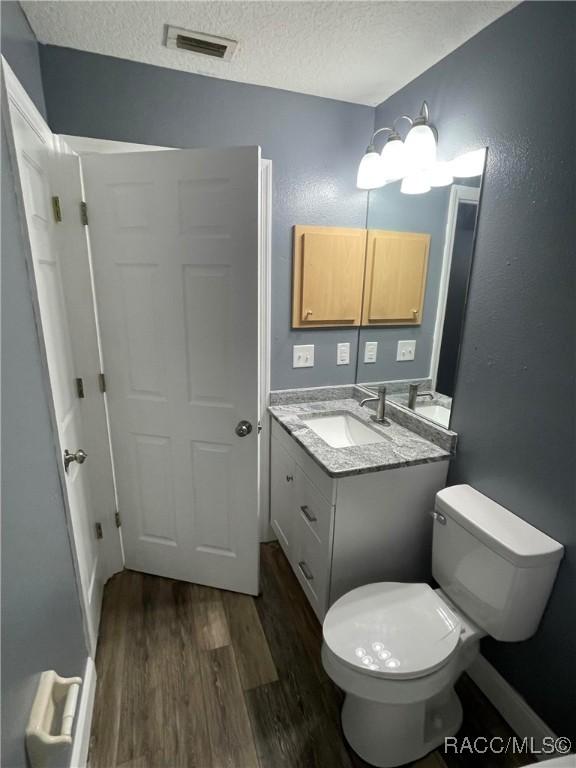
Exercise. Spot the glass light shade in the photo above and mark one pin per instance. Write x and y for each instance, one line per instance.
(416, 184)
(420, 147)
(440, 175)
(469, 164)
(370, 171)
(394, 159)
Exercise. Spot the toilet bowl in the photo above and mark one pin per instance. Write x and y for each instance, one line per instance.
(397, 649)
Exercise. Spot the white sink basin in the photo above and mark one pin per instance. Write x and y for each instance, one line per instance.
(436, 413)
(343, 430)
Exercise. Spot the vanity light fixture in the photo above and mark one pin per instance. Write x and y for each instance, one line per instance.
(415, 184)
(370, 169)
(401, 159)
(421, 143)
(469, 164)
(440, 175)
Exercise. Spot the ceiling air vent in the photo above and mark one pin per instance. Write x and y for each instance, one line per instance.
(198, 42)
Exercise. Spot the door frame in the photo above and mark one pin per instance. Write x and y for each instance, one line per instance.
(16, 98)
(459, 193)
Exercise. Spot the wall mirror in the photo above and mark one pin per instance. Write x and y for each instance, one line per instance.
(419, 252)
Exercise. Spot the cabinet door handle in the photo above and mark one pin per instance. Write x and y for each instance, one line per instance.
(307, 514)
(308, 575)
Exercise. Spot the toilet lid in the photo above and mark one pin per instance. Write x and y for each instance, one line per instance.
(392, 630)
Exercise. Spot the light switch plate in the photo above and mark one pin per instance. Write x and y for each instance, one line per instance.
(343, 353)
(303, 356)
(406, 350)
(370, 351)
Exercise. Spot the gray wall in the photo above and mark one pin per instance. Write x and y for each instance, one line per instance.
(388, 208)
(41, 620)
(512, 88)
(314, 144)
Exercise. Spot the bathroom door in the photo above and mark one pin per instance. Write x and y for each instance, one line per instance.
(39, 178)
(175, 248)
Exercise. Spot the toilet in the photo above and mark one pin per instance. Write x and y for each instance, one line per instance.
(397, 649)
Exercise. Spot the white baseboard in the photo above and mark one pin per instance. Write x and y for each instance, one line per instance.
(514, 709)
(81, 743)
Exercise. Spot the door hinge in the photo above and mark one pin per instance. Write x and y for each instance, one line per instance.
(117, 519)
(102, 382)
(84, 213)
(99, 531)
(80, 387)
(56, 210)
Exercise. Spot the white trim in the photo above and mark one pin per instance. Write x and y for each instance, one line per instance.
(84, 145)
(458, 194)
(16, 98)
(79, 757)
(266, 533)
(514, 709)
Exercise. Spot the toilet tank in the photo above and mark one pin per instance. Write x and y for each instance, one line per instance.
(495, 567)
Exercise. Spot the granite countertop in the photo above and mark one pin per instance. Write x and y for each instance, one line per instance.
(402, 447)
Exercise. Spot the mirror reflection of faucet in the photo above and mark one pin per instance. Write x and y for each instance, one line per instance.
(413, 395)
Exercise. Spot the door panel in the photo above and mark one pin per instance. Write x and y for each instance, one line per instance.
(175, 245)
(35, 158)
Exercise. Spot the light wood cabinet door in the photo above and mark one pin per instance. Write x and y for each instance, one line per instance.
(328, 276)
(396, 267)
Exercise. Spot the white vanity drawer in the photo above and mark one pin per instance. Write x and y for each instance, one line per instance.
(312, 566)
(313, 507)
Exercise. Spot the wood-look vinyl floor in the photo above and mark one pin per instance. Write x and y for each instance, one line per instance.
(194, 677)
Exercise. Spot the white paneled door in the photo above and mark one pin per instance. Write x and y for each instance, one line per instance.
(175, 249)
(34, 169)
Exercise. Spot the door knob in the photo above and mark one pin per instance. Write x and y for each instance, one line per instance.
(243, 428)
(80, 456)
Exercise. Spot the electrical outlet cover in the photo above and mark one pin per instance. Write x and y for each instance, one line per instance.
(370, 351)
(343, 353)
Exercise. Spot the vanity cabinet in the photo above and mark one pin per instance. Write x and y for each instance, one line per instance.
(341, 533)
(396, 267)
(328, 276)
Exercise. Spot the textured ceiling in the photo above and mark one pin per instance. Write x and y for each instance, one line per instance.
(353, 51)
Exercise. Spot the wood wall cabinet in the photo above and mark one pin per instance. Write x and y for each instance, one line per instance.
(395, 285)
(328, 276)
(339, 534)
(351, 277)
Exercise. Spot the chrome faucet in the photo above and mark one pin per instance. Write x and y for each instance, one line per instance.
(380, 415)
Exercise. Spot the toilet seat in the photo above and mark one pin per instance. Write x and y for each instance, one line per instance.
(392, 630)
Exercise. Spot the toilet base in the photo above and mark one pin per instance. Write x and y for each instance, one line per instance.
(388, 735)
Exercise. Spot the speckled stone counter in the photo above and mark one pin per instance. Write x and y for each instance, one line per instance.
(401, 448)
